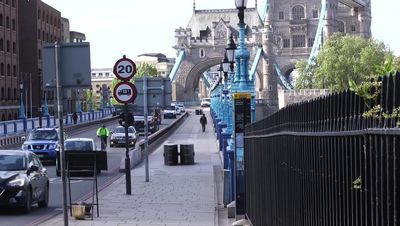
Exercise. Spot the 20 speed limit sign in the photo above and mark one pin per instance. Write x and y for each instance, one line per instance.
(124, 69)
(125, 92)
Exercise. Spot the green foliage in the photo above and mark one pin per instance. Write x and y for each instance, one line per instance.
(146, 69)
(357, 183)
(344, 57)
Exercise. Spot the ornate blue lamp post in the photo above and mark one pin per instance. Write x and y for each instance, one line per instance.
(91, 100)
(21, 114)
(78, 102)
(45, 106)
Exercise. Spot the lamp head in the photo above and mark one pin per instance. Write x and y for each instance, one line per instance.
(21, 85)
(240, 4)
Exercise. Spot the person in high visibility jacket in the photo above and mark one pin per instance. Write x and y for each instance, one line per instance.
(103, 132)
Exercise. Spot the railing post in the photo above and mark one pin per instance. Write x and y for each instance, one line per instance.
(5, 128)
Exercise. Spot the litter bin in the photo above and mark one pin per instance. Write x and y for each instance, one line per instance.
(170, 154)
(187, 154)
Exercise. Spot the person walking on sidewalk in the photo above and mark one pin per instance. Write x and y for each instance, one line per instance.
(203, 122)
(103, 134)
(75, 117)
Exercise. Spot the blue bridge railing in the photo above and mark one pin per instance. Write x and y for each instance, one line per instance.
(13, 127)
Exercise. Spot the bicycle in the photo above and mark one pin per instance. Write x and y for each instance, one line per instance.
(103, 141)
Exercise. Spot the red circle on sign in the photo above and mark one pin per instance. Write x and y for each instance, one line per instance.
(124, 69)
(125, 92)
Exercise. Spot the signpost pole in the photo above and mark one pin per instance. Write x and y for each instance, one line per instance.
(146, 128)
(127, 160)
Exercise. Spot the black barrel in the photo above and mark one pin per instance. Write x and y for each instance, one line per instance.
(170, 154)
(187, 154)
(197, 112)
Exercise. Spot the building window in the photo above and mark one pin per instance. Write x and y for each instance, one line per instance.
(1, 19)
(8, 46)
(38, 15)
(107, 74)
(13, 24)
(2, 93)
(7, 22)
(14, 71)
(1, 44)
(14, 48)
(2, 69)
(298, 12)
(39, 54)
(13, 3)
(7, 2)
(315, 14)
(311, 42)
(340, 25)
(100, 74)
(202, 53)
(93, 74)
(353, 28)
(286, 43)
(8, 70)
(15, 94)
(38, 35)
(299, 41)
(281, 15)
(8, 93)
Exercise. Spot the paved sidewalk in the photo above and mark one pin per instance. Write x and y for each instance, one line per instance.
(181, 195)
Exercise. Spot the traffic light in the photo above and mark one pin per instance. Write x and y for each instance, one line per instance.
(130, 121)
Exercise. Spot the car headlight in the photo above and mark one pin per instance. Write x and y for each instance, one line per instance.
(16, 182)
(25, 147)
(53, 146)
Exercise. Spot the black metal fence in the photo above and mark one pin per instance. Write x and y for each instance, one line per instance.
(322, 163)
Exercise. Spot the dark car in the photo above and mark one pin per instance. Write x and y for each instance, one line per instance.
(23, 180)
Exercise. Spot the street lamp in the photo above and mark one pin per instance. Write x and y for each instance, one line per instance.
(230, 51)
(45, 106)
(21, 114)
(91, 100)
(78, 102)
(241, 5)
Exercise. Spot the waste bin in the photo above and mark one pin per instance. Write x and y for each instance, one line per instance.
(187, 154)
(170, 154)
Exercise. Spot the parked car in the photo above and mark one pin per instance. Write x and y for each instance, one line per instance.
(205, 102)
(170, 111)
(23, 180)
(77, 144)
(177, 108)
(44, 142)
(118, 136)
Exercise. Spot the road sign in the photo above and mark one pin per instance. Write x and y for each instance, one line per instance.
(125, 92)
(124, 69)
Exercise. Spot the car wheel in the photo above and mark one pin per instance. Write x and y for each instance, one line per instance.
(45, 201)
(28, 202)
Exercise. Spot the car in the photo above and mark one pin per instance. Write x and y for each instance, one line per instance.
(170, 111)
(44, 142)
(205, 102)
(23, 180)
(76, 144)
(118, 136)
(181, 107)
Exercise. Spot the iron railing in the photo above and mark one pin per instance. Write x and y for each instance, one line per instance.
(321, 162)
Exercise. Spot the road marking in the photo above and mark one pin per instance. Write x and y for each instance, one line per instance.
(58, 180)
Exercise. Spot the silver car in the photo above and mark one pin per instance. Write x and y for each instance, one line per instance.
(118, 136)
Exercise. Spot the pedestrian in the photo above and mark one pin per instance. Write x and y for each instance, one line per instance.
(75, 117)
(103, 132)
(203, 122)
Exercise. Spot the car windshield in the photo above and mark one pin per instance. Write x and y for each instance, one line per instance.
(206, 99)
(80, 145)
(12, 162)
(170, 108)
(122, 130)
(43, 135)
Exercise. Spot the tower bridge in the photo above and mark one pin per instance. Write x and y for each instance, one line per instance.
(278, 35)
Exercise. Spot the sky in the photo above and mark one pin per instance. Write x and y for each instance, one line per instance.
(133, 27)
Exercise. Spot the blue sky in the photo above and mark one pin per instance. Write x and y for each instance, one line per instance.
(133, 27)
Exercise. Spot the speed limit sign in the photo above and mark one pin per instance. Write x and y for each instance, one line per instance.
(124, 69)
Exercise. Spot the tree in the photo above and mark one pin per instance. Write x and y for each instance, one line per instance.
(146, 69)
(341, 59)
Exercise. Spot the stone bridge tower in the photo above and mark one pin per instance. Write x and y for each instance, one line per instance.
(286, 36)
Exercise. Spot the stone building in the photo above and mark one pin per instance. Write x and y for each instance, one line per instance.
(39, 23)
(9, 60)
